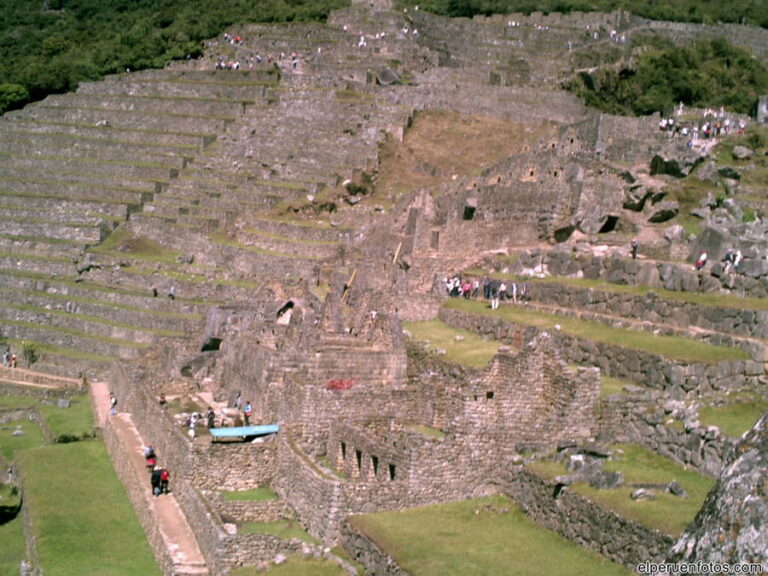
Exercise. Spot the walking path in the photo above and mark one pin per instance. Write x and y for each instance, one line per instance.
(164, 510)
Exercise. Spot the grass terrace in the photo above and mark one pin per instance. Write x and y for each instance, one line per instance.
(256, 495)
(67, 489)
(736, 416)
(477, 537)
(286, 529)
(710, 300)
(672, 347)
(461, 346)
(667, 513)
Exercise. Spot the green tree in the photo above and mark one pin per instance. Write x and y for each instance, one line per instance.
(30, 352)
(12, 96)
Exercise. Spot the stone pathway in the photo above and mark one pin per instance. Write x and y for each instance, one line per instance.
(178, 536)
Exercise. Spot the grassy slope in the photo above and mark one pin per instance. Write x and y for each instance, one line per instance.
(673, 347)
(78, 509)
(477, 537)
(471, 350)
(669, 514)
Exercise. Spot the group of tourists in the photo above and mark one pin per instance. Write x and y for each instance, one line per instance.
(159, 477)
(9, 360)
(493, 290)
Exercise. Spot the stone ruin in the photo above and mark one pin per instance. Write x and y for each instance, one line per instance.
(291, 282)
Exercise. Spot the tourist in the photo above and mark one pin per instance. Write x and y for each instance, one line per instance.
(702, 261)
(634, 245)
(162, 401)
(112, 404)
(154, 480)
(247, 411)
(210, 418)
(165, 478)
(172, 293)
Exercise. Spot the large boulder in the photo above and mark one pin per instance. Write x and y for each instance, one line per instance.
(742, 153)
(663, 211)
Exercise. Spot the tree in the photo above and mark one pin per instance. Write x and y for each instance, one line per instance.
(12, 96)
(30, 353)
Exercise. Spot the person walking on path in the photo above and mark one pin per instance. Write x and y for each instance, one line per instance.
(112, 404)
(247, 411)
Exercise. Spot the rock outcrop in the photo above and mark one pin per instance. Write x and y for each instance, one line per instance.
(730, 527)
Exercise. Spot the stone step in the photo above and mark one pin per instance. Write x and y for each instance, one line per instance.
(71, 210)
(81, 233)
(115, 335)
(65, 145)
(115, 178)
(68, 165)
(35, 378)
(138, 301)
(78, 191)
(205, 84)
(207, 107)
(65, 338)
(126, 119)
(147, 139)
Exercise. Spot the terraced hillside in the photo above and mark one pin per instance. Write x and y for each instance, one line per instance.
(268, 226)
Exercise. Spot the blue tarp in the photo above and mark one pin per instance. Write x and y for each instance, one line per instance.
(244, 431)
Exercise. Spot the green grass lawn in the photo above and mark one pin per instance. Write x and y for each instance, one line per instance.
(487, 536)
(668, 513)
(735, 418)
(11, 445)
(282, 529)
(73, 422)
(12, 550)
(17, 401)
(610, 386)
(672, 347)
(78, 509)
(470, 350)
(255, 495)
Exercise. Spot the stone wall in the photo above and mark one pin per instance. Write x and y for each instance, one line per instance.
(659, 311)
(365, 552)
(640, 419)
(583, 522)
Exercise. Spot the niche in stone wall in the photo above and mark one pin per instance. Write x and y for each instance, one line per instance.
(392, 472)
(489, 395)
(344, 450)
(359, 458)
(375, 464)
(434, 241)
(609, 225)
(470, 206)
(211, 344)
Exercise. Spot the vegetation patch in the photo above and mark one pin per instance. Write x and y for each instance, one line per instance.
(735, 417)
(121, 242)
(256, 495)
(12, 546)
(427, 431)
(441, 145)
(69, 424)
(668, 513)
(286, 529)
(672, 347)
(459, 346)
(482, 536)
